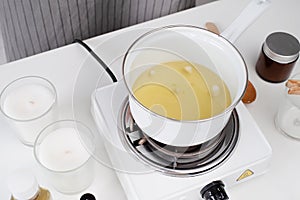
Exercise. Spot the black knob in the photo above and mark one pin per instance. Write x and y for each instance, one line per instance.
(87, 196)
(214, 191)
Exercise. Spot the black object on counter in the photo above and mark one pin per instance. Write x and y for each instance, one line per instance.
(214, 191)
(278, 56)
(87, 196)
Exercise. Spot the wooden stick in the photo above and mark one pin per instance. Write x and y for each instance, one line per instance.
(292, 83)
(294, 90)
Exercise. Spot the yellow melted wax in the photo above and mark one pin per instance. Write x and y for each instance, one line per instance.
(182, 91)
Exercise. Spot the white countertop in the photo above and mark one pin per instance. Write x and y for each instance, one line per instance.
(62, 65)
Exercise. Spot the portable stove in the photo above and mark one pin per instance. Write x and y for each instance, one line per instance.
(148, 169)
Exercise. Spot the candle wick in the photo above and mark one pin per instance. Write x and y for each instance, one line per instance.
(68, 152)
(32, 102)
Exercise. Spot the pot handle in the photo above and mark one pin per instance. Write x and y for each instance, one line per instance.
(253, 10)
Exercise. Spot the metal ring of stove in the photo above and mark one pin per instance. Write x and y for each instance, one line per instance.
(216, 160)
(211, 144)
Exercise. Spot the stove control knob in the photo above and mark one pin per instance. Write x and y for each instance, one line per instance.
(214, 191)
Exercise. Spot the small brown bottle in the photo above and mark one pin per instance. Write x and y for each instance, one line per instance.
(23, 186)
(278, 56)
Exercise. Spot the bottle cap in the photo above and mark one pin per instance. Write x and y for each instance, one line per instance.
(281, 47)
(22, 184)
(87, 196)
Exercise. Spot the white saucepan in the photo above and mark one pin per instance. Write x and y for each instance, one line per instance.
(195, 45)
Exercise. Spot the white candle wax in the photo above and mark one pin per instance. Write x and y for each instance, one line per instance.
(62, 150)
(30, 108)
(69, 165)
(28, 102)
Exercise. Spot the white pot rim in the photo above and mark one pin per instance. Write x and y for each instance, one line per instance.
(228, 109)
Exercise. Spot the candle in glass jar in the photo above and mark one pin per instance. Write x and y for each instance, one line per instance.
(28, 103)
(61, 149)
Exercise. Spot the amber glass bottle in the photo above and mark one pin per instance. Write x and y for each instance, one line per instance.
(278, 56)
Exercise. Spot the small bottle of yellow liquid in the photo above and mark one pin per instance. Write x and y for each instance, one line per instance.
(23, 186)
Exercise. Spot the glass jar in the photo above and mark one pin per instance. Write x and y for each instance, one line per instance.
(278, 56)
(287, 119)
(64, 152)
(29, 104)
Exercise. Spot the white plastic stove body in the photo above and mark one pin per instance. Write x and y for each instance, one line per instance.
(251, 155)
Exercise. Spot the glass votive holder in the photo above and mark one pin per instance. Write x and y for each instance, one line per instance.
(28, 103)
(64, 150)
(287, 119)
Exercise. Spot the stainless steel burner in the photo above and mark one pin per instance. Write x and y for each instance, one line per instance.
(178, 161)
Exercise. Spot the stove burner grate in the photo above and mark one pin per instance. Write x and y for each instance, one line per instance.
(178, 161)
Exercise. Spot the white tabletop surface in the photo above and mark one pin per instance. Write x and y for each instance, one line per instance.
(61, 66)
